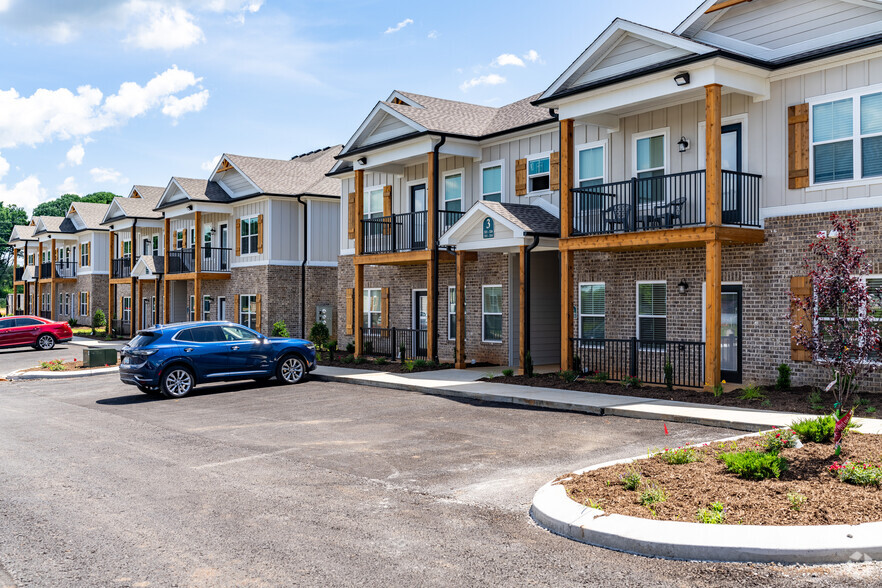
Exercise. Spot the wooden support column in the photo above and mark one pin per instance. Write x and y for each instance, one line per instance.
(713, 156)
(137, 306)
(431, 203)
(566, 309)
(38, 269)
(460, 360)
(111, 298)
(358, 308)
(522, 308)
(713, 248)
(432, 306)
(359, 212)
(53, 256)
(197, 252)
(713, 312)
(166, 248)
(432, 243)
(566, 178)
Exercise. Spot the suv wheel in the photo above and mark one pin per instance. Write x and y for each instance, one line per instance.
(45, 342)
(291, 370)
(177, 382)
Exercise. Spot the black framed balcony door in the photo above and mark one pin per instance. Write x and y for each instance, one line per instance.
(420, 320)
(418, 229)
(731, 333)
(731, 148)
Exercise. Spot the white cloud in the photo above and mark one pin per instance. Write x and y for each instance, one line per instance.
(176, 107)
(68, 186)
(61, 114)
(162, 27)
(28, 193)
(4, 167)
(399, 26)
(488, 80)
(75, 154)
(531, 56)
(4, 5)
(103, 175)
(433, 34)
(211, 163)
(507, 59)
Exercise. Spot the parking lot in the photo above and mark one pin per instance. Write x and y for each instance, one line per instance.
(315, 484)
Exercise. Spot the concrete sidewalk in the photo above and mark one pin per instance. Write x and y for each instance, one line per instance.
(465, 384)
(93, 343)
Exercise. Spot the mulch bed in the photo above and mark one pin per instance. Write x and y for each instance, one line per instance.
(394, 367)
(70, 366)
(793, 400)
(695, 485)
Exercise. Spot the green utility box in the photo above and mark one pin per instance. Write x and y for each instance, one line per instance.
(99, 357)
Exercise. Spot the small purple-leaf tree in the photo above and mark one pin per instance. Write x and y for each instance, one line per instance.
(841, 334)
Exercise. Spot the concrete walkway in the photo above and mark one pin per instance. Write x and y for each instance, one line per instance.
(465, 384)
(93, 343)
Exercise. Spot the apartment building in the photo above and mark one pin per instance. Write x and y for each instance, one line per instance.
(687, 172)
(24, 257)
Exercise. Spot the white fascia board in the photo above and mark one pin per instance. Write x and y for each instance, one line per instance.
(822, 64)
(114, 206)
(697, 14)
(368, 124)
(473, 217)
(197, 206)
(397, 153)
(403, 98)
(511, 245)
(170, 188)
(121, 225)
(213, 177)
(461, 148)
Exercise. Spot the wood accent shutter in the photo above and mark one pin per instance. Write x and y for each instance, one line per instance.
(387, 209)
(352, 217)
(350, 303)
(554, 167)
(801, 287)
(521, 177)
(89, 303)
(184, 240)
(798, 146)
(238, 237)
(384, 307)
(235, 308)
(259, 234)
(258, 313)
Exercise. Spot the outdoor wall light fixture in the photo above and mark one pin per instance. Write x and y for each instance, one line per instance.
(682, 79)
(189, 207)
(683, 144)
(361, 160)
(682, 287)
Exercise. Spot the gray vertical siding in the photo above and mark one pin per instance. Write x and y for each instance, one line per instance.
(324, 231)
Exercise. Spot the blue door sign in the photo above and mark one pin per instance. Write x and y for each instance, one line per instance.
(489, 229)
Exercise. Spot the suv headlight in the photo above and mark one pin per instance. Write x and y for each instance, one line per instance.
(310, 346)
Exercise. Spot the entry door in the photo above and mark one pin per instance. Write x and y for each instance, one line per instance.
(732, 184)
(224, 244)
(418, 219)
(730, 334)
(420, 321)
(146, 313)
(221, 308)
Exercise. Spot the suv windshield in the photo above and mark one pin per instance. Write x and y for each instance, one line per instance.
(143, 339)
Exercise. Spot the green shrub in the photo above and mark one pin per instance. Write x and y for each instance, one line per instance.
(332, 349)
(72, 322)
(350, 347)
(815, 400)
(319, 334)
(360, 360)
(796, 500)
(714, 515)
(783, 381)
(680, 455)
(669, 375)
(754, 465)
(280, 329)
(777, 439)
(381, 361)
(817, 430)
(859, 474)
(99, 319)
(528, 364)
(600, 377)
(508, 372)
(577, 363)
(568, 375)
(53, 365)
(752, 392)
(631, 478)
(631, 382)
(348, 359)
(652, 494)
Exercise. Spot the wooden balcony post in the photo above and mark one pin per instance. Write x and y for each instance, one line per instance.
(431, 307)
(566, 178)
(566, 309)
(431, 204)
(53, 256)
(713, 156)
(714, 217)
(460, 362)
(359, 213)
(358, 305)
(38, 273)
(166, 247)
(14, 263)
(713, 311)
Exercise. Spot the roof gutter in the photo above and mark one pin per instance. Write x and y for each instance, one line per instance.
(303, 267)
(436, 150)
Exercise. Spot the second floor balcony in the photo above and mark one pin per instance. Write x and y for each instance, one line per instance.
(46, 270)
(213, 260)
(65, 269)
(403, 232)
(19, 272)
(668, 201)
(122, 267)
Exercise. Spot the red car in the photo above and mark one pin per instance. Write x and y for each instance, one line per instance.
(33, 331)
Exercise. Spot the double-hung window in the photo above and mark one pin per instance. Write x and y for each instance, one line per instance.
(191, 310)
(538, 173)
(652, 311)
(373, 209)
(126, 249)
(372, 308)
(592, 310)
(873, 310)
(846, 137)
(146, 247)
(179, 239)
(155, 243)
(451, 312)
(650, 161)
(248, 310)
(60, 303)
(84, 304)
(248, 235)
(590, 166)
(453, 191)
(67, 305)
(126, 308)
(491, 182)
(491, 314)
(206, 308)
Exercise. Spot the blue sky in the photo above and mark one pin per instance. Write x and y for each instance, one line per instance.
(102, 94)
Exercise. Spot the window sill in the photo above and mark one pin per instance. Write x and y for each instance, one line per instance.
(541, 194)
(844, 184)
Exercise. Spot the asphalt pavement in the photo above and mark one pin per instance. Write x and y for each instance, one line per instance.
(317, 484)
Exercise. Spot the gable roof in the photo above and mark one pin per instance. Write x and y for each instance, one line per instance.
(48, 224)
(194, 190)
(90, 213)
(303, 174)
(135, 207)
(21, 233)
(532, 219)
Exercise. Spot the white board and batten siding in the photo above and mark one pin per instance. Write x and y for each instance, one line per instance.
(509, 152)
(283, 235)
(324, 231)
(250, 209)
(100, 242)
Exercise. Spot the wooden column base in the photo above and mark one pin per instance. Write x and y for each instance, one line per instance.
(713, 312)
(566, 310)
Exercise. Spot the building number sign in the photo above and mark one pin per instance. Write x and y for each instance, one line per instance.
(489, 229)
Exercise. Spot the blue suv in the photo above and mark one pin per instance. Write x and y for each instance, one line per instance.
(172, 359)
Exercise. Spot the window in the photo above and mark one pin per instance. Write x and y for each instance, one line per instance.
(650, 162)
(155, 244)
(372, 308)
(248, 310)
(592, 311)
(127, 248)
(491, 313)
(153, 310)
(179, 239)
(192, 241)
(538, 174)
(238, 333)
(67, 305)
(84, 304)
(451, 313)
(589, 170)
(191, 309)
(651, 311)
(874, 309)
(147, 247)
(846, 137)
(491, 182)
(453, 191)
(126, 308)
(373, 208)
(31, 259)
(206, 308)
(60, 303)
(248, 228)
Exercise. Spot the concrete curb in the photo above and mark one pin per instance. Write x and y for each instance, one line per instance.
(819, 544)
(23, 375)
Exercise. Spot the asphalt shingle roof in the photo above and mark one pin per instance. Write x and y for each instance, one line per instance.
(202, 190)
(25, 233)
(91, 213)
(304, 174)
(50, 224)
(529, 217)
(142, 207)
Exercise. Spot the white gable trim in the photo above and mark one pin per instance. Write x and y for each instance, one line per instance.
(140, 270)
(696, 15)
(227, 189)
(373, 119)
(407, 100)
(474, 217)
(171, 189)
(114, 207)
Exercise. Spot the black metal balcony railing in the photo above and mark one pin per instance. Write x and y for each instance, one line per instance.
(19, 272)
(65, 269)
(46, 270)
(214, 259)
(121, 328)
(446, 219)
(645, 360)
(388, 342)
(403, 232)
(122, 267)
(46, 314)
(663, 202)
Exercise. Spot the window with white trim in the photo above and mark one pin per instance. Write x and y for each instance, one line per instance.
(192, 240)
(84, 304)
(652, 311)
(206, 308)
(453, 191)
(126, 308)
(248, 228)
(491, 314)
(373, 309)
(248, 310)
(126, 248)
(67, 305)
(491, 181)
(451, 312)
(179, 239)
(191, 309)
(538, 173)
(874, 309)
(155, 243)
(146, 247)
(592, 310)
(846, 137)
(590, 172)
(60, 303)
(650, 161)
(153, 310)
(373, 208)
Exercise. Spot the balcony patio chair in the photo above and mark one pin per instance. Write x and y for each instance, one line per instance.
(666, 214)
(618, 214)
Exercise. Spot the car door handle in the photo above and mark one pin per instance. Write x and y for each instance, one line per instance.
(235, 348)
(188, 349)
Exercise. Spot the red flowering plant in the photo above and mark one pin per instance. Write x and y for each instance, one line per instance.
(841, 334)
